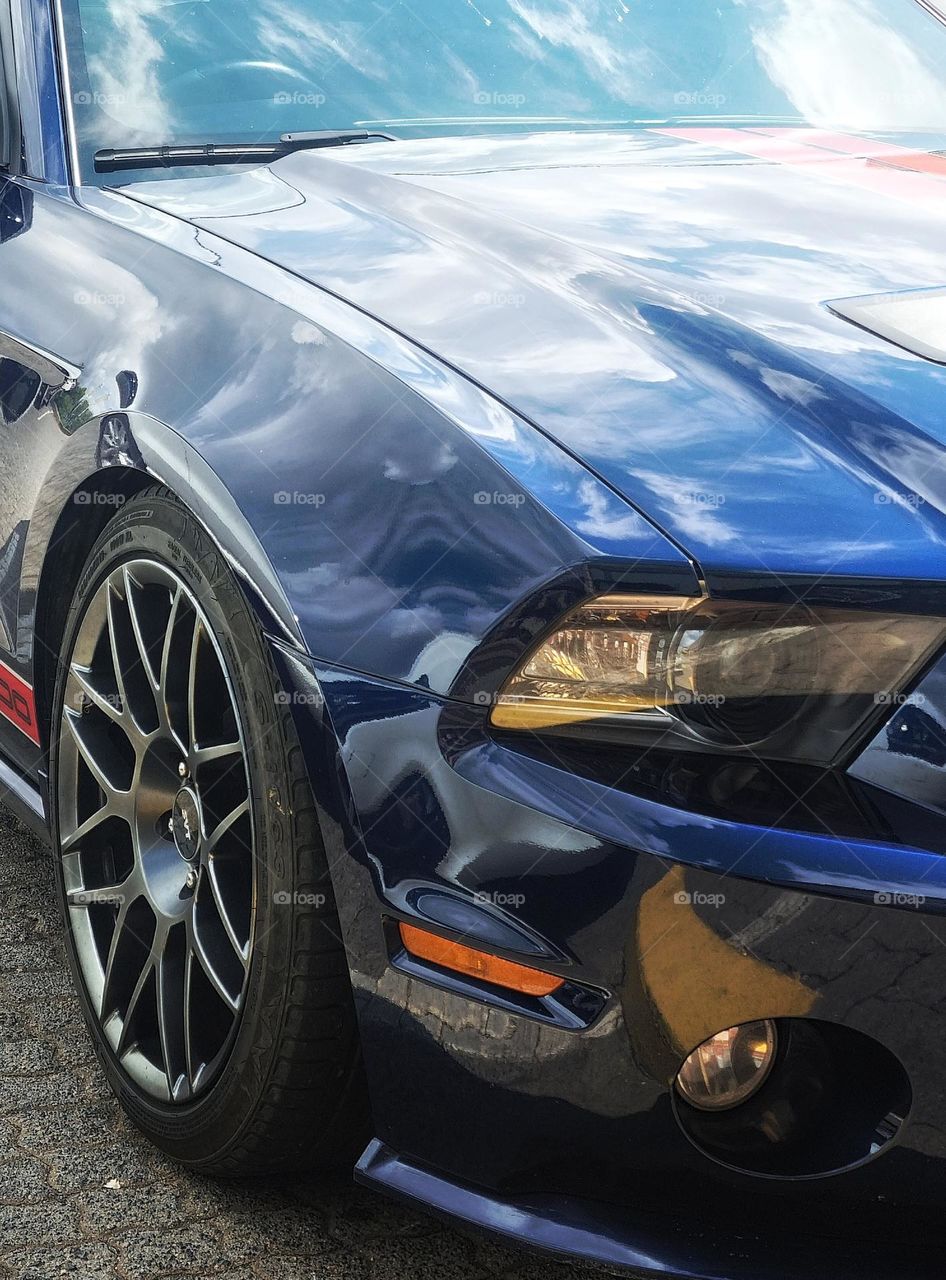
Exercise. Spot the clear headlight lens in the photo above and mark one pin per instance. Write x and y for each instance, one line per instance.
(792, 681)
(729, 1067)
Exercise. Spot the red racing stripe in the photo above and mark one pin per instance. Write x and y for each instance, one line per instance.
(868, 149)
(844, 169)
(750, 142)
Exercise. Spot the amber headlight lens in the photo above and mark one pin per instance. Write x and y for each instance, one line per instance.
(791, 682)
(729, 1067)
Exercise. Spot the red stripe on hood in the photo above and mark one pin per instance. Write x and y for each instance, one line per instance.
(850, 144)
(845, 169)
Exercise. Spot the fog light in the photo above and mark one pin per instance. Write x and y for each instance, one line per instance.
(729, 1067)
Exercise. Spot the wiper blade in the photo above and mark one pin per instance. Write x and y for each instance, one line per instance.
(110, 160)
(935, 10)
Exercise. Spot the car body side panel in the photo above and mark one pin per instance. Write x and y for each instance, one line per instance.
(398, 524)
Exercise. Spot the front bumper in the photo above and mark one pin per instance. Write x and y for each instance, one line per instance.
(645, 1244)
(564, 1135)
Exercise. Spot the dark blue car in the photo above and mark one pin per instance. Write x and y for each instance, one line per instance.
(473, 600)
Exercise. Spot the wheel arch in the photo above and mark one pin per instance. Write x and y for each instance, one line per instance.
(71, 514)
(71, 541)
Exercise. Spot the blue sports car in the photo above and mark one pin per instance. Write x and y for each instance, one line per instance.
(473, 600)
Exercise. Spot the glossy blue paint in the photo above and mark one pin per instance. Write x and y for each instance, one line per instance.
(426, 398)
(842, 867)
(689, 284)
(370, 455)
(592, 1162)
(39, 92)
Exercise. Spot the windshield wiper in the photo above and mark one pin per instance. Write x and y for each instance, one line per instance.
(170, 157)
(935, 10)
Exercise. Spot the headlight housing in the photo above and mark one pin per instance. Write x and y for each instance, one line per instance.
(792, 682)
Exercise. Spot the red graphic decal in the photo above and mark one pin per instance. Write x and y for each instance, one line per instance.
(17, 703)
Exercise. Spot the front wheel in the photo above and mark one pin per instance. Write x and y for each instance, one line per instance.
(194, 884)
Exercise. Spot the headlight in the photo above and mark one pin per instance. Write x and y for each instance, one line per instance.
(789, 682)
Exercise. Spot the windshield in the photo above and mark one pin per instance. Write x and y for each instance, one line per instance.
(156, 72)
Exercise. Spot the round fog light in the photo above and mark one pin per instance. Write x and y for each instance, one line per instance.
(729, 1067)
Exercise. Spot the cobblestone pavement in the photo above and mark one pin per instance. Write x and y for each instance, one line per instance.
(81, 1194)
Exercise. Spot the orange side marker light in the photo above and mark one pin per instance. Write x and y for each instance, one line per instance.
(477, 964)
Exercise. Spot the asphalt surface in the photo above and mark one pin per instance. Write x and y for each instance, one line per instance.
(81, 1194)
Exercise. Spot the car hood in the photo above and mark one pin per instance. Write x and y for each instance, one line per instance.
(657, 302)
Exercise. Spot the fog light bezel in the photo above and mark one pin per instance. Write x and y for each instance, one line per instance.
(835, 1099)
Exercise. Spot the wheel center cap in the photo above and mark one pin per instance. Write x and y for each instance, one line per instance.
(185, 824)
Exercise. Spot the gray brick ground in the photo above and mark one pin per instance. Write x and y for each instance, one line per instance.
(82, 1195)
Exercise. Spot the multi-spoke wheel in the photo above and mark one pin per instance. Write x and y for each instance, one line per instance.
(155, 829)
(182, 845)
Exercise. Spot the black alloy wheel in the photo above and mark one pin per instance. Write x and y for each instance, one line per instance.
(198, 904)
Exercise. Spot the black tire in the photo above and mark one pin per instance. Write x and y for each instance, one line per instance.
(290, 1092)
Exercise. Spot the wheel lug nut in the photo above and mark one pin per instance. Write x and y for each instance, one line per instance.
(182, 770)
(191, 880)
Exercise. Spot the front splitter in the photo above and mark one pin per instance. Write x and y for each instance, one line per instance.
(642, 1244)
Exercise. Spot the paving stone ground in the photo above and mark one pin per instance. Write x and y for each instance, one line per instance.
(82, 1195)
